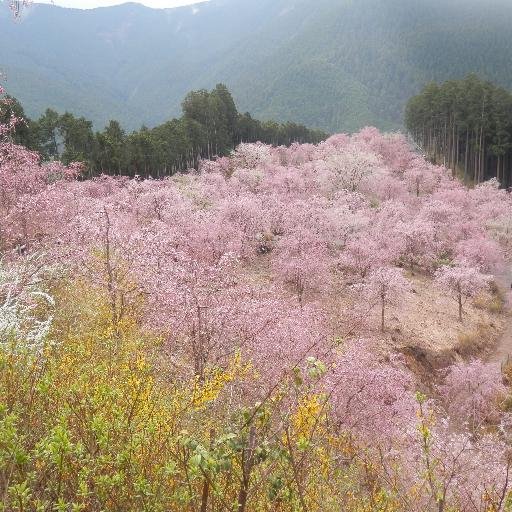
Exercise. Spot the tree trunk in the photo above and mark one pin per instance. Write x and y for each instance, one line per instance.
(247, 463)
(206, 484)
(466, 161)
(382, 313)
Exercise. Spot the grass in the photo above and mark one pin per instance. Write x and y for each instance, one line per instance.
(494, 302)
(472, 342)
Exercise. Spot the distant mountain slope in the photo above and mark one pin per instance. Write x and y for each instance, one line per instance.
(331, 64)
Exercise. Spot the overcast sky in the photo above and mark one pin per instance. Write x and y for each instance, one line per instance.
(89, 4)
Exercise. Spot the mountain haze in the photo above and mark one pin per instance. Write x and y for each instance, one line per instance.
(330, 64)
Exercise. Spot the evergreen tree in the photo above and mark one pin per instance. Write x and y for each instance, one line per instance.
(465, 125)
(210, 127)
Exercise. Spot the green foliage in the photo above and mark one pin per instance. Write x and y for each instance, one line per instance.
(12, 108)
(95, 423)
(210, 126)
(466, 125)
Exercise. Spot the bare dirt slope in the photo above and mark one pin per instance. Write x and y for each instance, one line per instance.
(426, 321)
(503, 350)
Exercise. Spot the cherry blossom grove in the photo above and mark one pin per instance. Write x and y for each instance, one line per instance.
(248, 257)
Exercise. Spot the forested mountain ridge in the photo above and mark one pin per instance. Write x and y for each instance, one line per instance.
(331, 65)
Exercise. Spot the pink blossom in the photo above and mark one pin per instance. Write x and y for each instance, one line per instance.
(471, 392)
(463, 282)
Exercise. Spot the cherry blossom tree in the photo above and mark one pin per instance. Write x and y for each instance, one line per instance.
(463, 282)
(366, 252)
(471, 392)
(371, 398)
(385, 286)
(352, 166)
(387, 187)
(419, 243)
(302, 263)
(419, 178)
(481, 252)
(458, 471)
(22, 180)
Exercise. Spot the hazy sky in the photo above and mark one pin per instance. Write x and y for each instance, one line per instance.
(89, 4)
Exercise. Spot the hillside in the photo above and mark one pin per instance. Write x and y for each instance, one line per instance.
(263, 335)
(335, 65)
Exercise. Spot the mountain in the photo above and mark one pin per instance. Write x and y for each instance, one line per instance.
(331, 64)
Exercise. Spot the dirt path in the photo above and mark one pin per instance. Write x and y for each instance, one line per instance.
(503, 350)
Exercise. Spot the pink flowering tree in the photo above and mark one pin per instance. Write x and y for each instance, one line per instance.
(454, 470)
(206, 310)
(372, 399)
(418, 242)
(471, 392)
(385, 286)
(359, 257)
(22, 179)
(481, 252)
(302, 262)
(387, 187)
(372, 249)
(463, 282)
(419, 178)
(352, 166)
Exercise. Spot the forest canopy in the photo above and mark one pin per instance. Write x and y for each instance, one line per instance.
(210, 126)
(467, 126)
